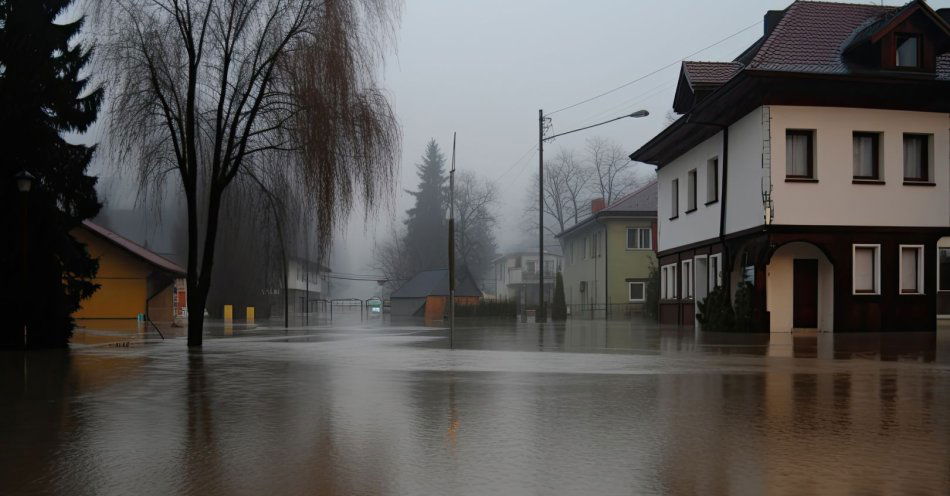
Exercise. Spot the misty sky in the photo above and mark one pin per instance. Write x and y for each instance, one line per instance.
(483, 69)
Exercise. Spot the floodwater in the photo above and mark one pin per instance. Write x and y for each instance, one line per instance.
(587, 408)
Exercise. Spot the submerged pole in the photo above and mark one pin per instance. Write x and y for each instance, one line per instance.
(452, 248)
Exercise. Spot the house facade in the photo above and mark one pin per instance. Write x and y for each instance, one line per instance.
(516, 276)
(133, 280)
(608, 256)
(816, 167)
(308, 286)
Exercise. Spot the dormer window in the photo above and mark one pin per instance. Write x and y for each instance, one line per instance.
(908, 50)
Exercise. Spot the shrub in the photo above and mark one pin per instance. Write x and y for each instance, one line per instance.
(743, 307)
(651, 303)
(715, 311)
(488, 308)
(558, 305)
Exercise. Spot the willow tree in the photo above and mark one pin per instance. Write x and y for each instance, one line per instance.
(217, 89)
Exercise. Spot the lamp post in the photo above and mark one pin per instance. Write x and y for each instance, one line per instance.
(24, 183)
(540, 316)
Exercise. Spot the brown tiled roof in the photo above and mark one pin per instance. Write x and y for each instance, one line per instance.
(812, 35)
(710, 73)
(139, 251)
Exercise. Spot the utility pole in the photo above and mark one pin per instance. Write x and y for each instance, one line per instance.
(539, 316)
(452, 248)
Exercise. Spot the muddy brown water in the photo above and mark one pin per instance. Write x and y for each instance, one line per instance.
(379, 408)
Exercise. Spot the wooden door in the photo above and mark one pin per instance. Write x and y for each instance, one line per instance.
(805, 293)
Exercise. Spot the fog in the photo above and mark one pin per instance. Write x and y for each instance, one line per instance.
(483, 69)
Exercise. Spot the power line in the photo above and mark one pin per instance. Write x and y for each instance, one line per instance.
(624, 85)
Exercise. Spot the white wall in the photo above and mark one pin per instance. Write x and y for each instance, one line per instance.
(834, 200)
(745, 209)
(700, 224)
(779, 286)
(744, 192)
(584, 269)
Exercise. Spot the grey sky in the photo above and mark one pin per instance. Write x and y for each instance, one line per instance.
(484, 69)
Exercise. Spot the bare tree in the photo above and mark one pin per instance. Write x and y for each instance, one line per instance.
(475, 202)
(577, 181)
(214, 89)
(390, 258)
(612, 169)
(566, 186)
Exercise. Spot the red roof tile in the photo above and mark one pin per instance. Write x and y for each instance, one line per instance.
(710, 73)
(135, 249)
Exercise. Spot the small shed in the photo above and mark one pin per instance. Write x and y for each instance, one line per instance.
(133, 280)
(427, 294)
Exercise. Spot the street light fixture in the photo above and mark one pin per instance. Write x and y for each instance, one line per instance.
(540, 315)
(24, 181)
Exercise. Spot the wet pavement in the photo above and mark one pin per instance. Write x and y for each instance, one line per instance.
(374, 408)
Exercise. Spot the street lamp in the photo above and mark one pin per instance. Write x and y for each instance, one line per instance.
(540, 316)
(24, 183)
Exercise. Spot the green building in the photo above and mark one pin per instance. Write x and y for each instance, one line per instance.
(607, 256)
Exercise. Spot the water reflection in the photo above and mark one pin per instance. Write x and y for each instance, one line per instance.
(601, 409)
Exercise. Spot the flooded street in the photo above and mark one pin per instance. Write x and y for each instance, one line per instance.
(587, 408)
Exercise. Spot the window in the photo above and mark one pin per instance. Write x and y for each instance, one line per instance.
(715, 274)
(675, 199)
(691, 191)
(687, 279)
(866, 156)
(916, 160)
(799, 154)
(867, 269)
(712, 180)
(908, 50)
(548, 267)
(530, 267)
(912, 269)
(668, 282)
(943, 272)
(639, 238)
(636, 291)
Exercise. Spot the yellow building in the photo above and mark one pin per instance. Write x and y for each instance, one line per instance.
(133, 280)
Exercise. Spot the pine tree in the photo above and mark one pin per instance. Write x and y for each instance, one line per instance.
(426, 232)
(44, 94)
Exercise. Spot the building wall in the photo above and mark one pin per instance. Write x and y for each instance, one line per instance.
(123, 280)
(578, 268)
(623, 264)
(744, 193)
(834, 200)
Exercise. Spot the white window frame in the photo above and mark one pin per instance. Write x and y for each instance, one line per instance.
(637, 238)
(712, 179)
(715, 278)
(668, 282)
(937, 265)
(877, 268)
(687, 275)
(920, 269)
(643, 292)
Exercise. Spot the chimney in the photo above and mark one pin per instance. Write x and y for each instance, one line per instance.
(596, 205)
(772, 17)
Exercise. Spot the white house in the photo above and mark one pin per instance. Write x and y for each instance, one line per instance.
(516, 276)
(815, 166)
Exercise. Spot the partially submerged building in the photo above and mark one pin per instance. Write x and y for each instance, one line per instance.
(427, 294)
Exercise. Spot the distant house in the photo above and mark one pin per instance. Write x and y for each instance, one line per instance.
(134, 281)
(308, 284)
(427, 294)
(608, 256)
(814, 167)
(517, 273)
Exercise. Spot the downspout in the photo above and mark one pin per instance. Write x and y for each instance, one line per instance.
(606, 271)
(723, 201)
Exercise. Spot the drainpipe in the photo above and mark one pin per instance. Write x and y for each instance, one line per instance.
(723, 201)
(606, 271)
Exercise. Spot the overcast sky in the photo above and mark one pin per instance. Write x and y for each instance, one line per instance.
(483, 69)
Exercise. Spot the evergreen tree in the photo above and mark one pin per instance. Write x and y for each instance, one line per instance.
(44, 94)
(426, 232)
(559, 305)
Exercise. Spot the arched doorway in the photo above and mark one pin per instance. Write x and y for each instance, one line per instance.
(800, 288)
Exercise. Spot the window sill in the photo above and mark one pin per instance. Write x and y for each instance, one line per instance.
(918, 183)
(867, 181)
(911, 294)
(639, 249)
(854, 293)
(711, 202)
(800, 180)
(690, 210)
(674, 217)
